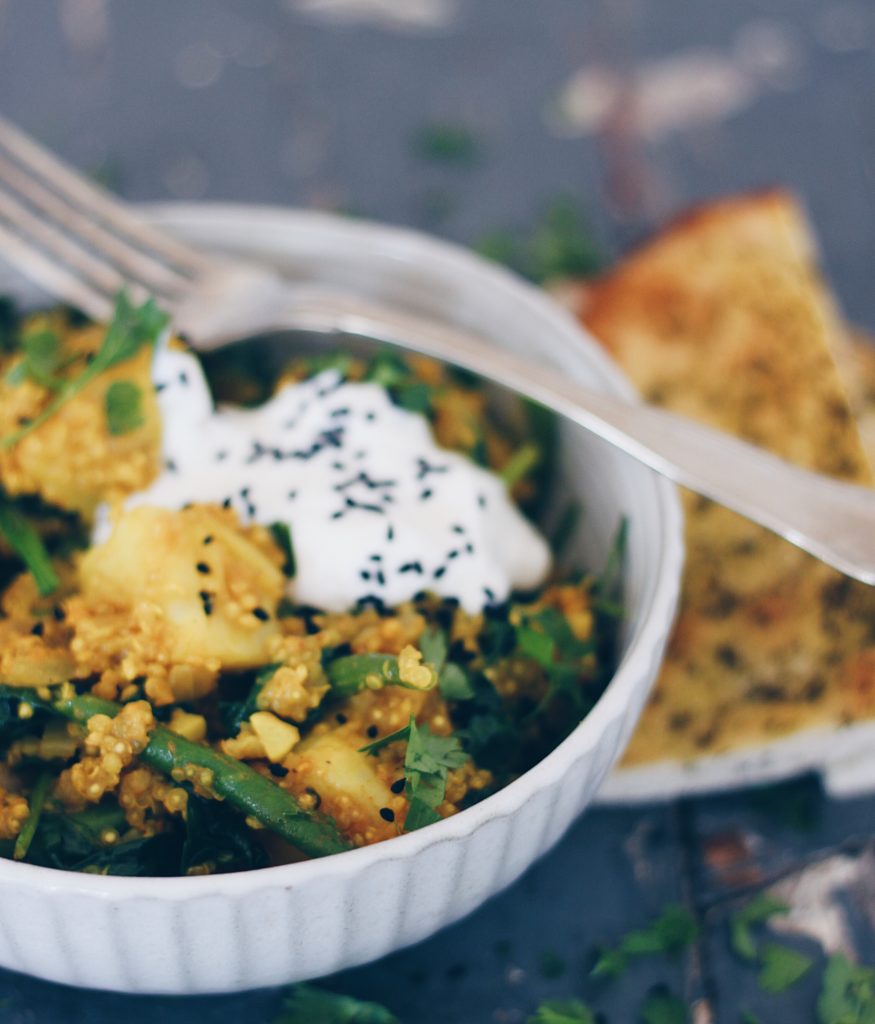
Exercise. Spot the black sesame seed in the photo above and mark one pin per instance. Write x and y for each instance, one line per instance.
(390, 533)
(441, 569)
(202, 568)
(221, 456)
(426, 494)
(278, 770)
(38, 629)
(458, 528)
(208, 539)
(387, 814)
(469, 548)
(170, 466)
(365, 575)
(398, 786)
(292, 495)
(376, 558)
(373, 732)
(411, 567)
(261, 614)
(481, 501)
(183, 378)
(226, 503)
(159, 388)
(452, 554)
(381, 578)
(58, 613)
(370, 416)
(207, 601)
(341, 718)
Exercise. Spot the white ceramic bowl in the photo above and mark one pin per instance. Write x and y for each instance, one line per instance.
(282, 924)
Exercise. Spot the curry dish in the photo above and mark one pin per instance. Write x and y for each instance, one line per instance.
(328, 656)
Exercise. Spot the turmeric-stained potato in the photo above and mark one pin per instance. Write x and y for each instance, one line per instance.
(72, 460)
(213, 584)
(344, 784)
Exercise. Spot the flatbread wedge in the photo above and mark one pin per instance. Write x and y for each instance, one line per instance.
(723, 317)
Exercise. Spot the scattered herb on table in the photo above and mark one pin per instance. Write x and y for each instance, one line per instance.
(673, 931)
(561, 245)
(760, 909)
(781, 967)
(848, 993)
(446, 142)
(663, 1007)
(563, 1011)
(307, 1004)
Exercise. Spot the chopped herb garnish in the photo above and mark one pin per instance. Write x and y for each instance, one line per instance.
(671, 932)
(282, 536)
(563, 1011)
(520, 464)
(27, 544)
(741, 924)
(124, 407)
(40, 360)
(131, 328)
(37, 801)
(306, 1004)
(427, 762)
(781, 967)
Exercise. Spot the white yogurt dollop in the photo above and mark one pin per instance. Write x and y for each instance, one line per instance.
(374, 506)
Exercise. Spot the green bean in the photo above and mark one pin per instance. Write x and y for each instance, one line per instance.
(355, 672)
(37, 801)
(244, 789)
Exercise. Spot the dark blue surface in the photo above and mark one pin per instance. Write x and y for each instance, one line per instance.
(269, 102)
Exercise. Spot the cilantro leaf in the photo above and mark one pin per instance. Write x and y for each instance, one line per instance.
(453, 681)
(559, 1011)
(124, 407)
(781, 967)
(759, 910)
(307, 1004)
(427, 762)
(433, 644)
(40, 359)
(749, 1018)
(27, 544)
(848, 993)
(131, 328)
(662, 1007)
(282, 536)
(671, 932)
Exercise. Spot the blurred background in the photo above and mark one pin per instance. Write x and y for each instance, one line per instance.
(474, 119)
(550, 134)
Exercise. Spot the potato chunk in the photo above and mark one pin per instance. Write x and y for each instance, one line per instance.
(72, 461)
(180, 594)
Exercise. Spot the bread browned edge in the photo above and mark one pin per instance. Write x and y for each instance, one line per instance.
(723, 316)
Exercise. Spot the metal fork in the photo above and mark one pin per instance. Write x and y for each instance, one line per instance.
(83, 245)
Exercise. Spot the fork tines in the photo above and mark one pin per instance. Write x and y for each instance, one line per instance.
(76, 239)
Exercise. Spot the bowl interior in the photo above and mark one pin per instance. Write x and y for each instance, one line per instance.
(450, 284)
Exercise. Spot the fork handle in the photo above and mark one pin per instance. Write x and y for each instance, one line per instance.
(831, 520)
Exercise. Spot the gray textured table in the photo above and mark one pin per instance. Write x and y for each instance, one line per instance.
(334, 103)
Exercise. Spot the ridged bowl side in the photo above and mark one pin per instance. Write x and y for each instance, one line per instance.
(300, 921)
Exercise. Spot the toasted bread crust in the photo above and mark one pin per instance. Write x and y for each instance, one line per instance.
(723, 317)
